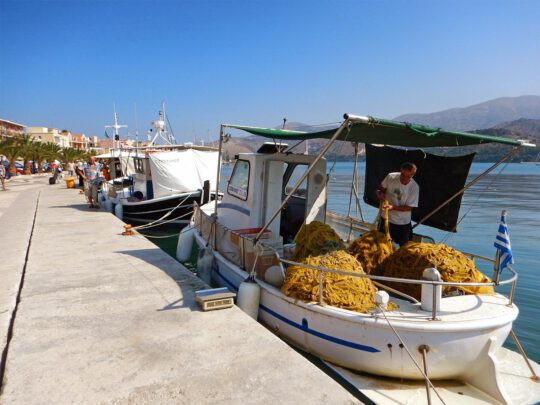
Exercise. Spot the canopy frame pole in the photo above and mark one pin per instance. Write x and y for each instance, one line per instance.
(299, 182)
(218, 168)
(467, 186)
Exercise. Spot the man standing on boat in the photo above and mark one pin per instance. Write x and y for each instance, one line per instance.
(400, 193)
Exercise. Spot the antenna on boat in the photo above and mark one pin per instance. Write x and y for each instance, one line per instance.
(160, 129)
(116, 127)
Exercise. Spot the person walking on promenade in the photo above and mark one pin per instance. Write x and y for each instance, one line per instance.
(3, 176)
(400, 193)
(92, 178)
(79, 172)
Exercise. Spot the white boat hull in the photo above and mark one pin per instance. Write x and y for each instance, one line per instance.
(366, 342)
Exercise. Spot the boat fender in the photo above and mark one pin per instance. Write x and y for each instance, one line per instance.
(381, 299)
(119, 211)
(107, 204)
(249, 295)
(185, 244)
(431, 274)
(205, 262)
(275, 276)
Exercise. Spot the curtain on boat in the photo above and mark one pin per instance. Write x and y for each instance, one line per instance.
(439, 177)
(175, 172)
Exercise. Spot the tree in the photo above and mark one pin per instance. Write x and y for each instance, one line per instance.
(26, 144)
(11, 149)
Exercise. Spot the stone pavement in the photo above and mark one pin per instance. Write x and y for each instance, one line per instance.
(90, 316)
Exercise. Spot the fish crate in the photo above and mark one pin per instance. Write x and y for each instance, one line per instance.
(215, 298)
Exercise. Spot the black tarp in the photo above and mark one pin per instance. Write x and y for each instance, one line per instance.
(439, 177)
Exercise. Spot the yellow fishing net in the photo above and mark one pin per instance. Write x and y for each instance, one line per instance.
(410, 261)
(352, 293)
(371, 249)
(316, 238)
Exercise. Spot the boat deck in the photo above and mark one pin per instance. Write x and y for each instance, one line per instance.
(514, 376)
(90, 316)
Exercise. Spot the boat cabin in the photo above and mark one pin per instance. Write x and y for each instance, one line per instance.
(142, 178)
(260, 182)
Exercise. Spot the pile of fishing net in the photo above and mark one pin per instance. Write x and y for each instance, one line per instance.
(371, 250)
(316, 238)
(410, 261)
(348, 292)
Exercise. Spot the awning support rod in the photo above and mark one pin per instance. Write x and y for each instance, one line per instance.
(218, 169)
(467, 186)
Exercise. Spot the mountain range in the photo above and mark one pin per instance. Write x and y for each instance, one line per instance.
(513, 117)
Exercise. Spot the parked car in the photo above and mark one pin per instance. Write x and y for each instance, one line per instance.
(19, 167)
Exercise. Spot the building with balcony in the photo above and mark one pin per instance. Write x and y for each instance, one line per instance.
(44, 134)
(10, 129)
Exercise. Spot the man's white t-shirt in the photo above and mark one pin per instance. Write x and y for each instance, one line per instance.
(399, 194)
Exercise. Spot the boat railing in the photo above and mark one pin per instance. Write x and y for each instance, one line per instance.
(512, 281)
(240, 249)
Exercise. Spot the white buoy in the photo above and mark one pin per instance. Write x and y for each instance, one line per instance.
(249, 296)
(119, 211)
(275, 276)
(185, 244)
(107, 204)
(205, 263)
(381, 299)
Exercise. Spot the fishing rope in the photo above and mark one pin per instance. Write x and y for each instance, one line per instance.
(383, 312)
(152, 224)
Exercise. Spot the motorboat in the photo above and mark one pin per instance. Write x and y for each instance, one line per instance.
(246, 239)
(157, 184)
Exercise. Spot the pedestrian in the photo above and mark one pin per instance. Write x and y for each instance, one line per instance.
(92, 178)
(3, 175)
(79, 172)
(399, 194)
(71, 168)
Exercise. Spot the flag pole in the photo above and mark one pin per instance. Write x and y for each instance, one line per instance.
(497, 266)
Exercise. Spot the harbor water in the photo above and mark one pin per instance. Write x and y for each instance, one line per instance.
(516, 189)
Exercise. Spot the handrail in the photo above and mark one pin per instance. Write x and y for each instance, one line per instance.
(401, 280)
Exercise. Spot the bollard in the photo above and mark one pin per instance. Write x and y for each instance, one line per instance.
(431, 300)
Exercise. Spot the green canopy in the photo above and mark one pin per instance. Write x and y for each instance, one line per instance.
(378, 131)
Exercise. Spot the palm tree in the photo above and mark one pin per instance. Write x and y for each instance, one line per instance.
(39, 154)
(52, 151)
(26, 144)
(71, 154)
(11, 149)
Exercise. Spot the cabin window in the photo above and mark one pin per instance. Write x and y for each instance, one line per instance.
(139, 166)
(239, 181)
(291, 176)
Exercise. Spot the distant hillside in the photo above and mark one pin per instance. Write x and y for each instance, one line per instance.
(524, 123)
(484, 115)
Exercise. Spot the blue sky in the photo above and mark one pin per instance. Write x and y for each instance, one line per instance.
(64, 63)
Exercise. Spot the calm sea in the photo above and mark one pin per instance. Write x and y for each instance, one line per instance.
(516, 189)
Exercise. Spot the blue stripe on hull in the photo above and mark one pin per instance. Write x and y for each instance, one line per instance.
(304, 326)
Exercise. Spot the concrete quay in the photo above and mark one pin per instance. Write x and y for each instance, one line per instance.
(90, 316)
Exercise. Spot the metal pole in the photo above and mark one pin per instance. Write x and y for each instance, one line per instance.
(424, 349)
(520, 348)
(472, 183)
(320, 287)
(218, 168)
(299, 182)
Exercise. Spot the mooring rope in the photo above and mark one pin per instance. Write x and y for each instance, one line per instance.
(409, 353)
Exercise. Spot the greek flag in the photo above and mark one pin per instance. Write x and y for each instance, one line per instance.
(502, 242)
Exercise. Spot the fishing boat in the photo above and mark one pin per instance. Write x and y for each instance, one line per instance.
(246, 242)
(156, 185)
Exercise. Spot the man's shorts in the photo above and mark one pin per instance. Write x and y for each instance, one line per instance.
(400, 234)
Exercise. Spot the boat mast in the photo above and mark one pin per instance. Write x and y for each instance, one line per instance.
(116, 127)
